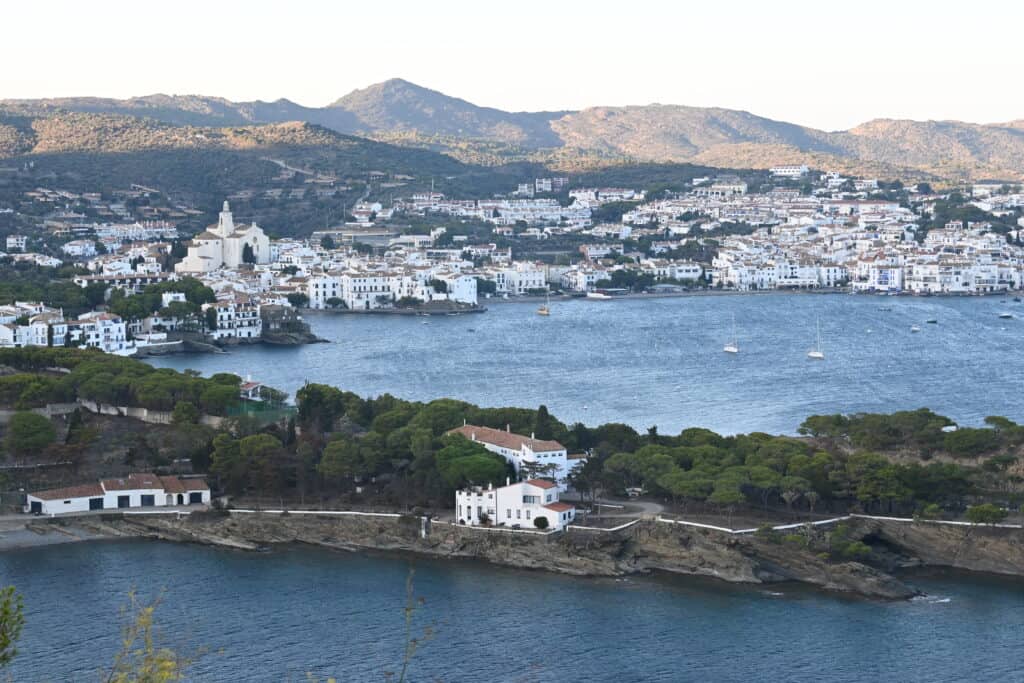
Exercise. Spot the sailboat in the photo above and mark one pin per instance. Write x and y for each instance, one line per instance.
(545, 309)
(732, 346)
(816, 353)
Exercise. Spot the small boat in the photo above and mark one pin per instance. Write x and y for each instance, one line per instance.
(932, 321)
(733, 345)
(915, 328)
(1016, 299)
(817, 353)
(598, 295)
(545, 309)
(1006, 316)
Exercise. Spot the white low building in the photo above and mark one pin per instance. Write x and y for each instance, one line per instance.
(514, 505)
(133, 491)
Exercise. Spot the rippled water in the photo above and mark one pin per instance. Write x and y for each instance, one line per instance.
(275, 616)
(660, 361)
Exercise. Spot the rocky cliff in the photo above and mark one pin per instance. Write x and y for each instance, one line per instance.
(977, 548)
(641, 548)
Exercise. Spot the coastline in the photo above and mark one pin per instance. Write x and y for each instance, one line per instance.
(639, 548)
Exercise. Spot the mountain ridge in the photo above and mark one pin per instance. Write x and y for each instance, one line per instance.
(410, 115)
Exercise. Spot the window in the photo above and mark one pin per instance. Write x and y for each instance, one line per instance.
(508, 514)
(527, 514)
(518, 513)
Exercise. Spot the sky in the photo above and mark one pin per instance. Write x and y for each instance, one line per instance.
(823, 64)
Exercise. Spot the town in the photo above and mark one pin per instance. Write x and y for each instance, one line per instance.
(149, 288)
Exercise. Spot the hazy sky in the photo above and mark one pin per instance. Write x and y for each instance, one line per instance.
(826, 64)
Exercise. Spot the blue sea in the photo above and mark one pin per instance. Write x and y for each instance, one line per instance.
(660, 362)
(276, 616)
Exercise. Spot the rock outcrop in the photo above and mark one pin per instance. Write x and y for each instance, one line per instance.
(641, 548)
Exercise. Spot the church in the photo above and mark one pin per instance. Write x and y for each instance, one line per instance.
(225, 246)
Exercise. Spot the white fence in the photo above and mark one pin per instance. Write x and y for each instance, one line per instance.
(834, 520)
(496, 529)
(597, 528)
(323, 513)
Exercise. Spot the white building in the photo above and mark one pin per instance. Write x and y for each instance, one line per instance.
(789, 171)
(224, 246)
(133, 491)
(514, 505)
(79, 248)
(522, 451)
(104, 331)
(237, 319)
(17, 243)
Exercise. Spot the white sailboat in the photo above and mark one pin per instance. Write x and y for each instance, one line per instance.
(817, 353)
(733, 345)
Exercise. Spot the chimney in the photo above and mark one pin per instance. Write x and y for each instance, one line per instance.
(508, 427)
(532, 436)
(508, 481)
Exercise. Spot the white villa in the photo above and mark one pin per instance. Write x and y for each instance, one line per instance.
(512, 505)
(133, 491)
(223, 246)
(519, 449)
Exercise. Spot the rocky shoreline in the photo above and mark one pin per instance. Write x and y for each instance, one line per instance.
(642, 548)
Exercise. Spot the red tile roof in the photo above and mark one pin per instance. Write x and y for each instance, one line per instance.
(133, 482)
(559, 506)
(541, 483)
(177, 485)
(506, 439)
(81, 491)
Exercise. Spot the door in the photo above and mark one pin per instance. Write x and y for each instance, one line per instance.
(36, 508)
(95, 503)
(181, 499)
(195, 497)
(124, 501)
(148, 501)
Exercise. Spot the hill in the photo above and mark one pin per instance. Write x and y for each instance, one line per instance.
(201, 165)
(405, 114)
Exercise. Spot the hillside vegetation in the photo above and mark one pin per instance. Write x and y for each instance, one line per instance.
(407, 114)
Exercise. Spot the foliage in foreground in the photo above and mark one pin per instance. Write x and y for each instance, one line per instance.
(11, 621)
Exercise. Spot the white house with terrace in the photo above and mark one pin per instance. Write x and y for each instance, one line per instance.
(514, 505)
(523, 451)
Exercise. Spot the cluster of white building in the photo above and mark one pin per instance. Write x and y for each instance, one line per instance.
(827, 239)
(522, 503)
(33, 324)
(880, 258)
(500, 212)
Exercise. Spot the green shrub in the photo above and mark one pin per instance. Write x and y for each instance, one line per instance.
(986, 513)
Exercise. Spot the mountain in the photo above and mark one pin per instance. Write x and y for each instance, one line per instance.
(400, 106)
(409, 115)
(116, 150)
